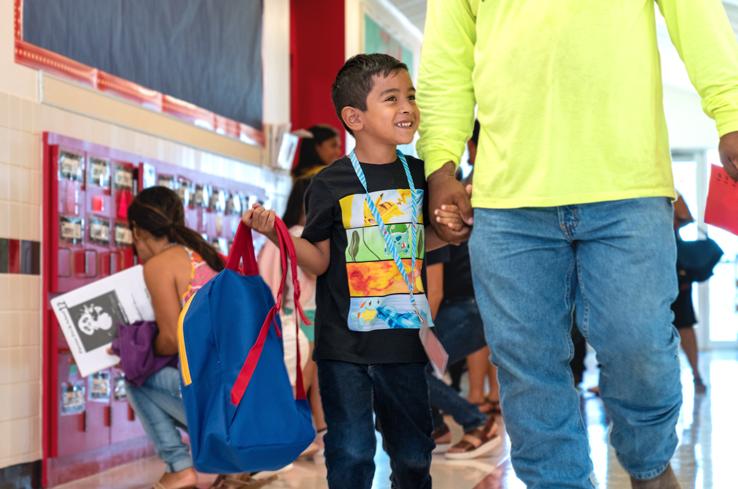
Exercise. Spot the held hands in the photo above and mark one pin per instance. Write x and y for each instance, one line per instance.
(729, 154)
(453, 214)
(261, 220)
(445, 190)
(449, 215)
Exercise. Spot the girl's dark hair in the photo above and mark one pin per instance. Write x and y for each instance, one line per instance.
(159, 211)
(296, 202)
(307, 158)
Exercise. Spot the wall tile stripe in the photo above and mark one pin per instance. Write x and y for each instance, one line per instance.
(3, 255)
(20, 256)
(13, 256)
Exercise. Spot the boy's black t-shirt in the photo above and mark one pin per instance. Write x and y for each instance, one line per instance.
(363, 309)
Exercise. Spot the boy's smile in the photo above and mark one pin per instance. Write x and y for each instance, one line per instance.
(391, 116)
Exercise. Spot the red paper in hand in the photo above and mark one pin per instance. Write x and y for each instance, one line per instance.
(722, 201)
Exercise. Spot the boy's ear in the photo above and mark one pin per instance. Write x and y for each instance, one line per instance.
(353, 118)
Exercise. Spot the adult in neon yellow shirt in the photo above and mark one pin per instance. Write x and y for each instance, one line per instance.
(572, 206)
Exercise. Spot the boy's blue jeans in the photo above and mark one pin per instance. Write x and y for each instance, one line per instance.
(158, 405)
(615, 261)
(398, 394)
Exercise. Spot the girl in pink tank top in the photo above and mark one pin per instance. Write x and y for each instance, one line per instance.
(177, 262)
(201, 274)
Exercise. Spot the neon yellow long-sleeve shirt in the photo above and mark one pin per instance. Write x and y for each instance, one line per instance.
(569, 94)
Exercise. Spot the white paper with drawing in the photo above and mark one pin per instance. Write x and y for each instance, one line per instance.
(89, 316)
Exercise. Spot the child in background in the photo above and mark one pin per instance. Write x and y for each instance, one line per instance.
(459, 329)
(177, 261)
(320, 148)
(365, 241)
(270, 270)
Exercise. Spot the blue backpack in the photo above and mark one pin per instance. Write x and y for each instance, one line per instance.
(242, 415)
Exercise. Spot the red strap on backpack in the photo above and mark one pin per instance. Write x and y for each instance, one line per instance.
(243, 248)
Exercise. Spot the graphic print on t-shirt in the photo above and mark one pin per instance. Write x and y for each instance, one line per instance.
(380, 298)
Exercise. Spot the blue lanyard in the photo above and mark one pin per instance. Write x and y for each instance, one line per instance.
(389, 242)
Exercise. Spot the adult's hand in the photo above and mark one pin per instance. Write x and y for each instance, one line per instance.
(444, 189)
(729, 153)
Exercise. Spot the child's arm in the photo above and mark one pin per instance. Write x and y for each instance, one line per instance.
(432, 240)
(434, 278)
(311, 257)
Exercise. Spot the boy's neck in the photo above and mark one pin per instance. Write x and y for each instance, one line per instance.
(376, 154)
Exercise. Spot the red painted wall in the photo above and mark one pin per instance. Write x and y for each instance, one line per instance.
(317, 52)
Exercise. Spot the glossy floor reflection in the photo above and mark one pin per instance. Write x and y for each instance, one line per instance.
(705, 459)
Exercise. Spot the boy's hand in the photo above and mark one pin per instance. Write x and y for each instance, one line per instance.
(261, 220)
(450, 216)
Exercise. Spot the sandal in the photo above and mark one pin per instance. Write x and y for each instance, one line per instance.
(240, 481)
(494, 406)
(477, 443)
(442, 438)
(489, 407)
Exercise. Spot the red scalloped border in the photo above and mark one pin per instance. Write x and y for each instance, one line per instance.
(36, 57)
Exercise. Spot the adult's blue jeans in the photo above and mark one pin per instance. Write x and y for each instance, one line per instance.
(158, 404)
(398, 394)
(615, 262)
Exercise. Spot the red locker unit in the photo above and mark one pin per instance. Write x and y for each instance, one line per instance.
(88, 424)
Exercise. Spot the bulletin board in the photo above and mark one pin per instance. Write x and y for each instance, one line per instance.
(198, 60)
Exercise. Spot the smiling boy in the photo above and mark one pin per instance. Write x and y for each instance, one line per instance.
(366, 242)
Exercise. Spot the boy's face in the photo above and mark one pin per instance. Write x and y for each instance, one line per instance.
(391, 116)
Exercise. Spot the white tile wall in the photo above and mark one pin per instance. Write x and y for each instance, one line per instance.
(22, 120)
(20, 295)
(21, 125)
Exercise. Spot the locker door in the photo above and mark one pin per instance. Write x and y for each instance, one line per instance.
(83, 424)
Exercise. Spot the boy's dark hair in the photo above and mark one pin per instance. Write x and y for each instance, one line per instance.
(355, 80)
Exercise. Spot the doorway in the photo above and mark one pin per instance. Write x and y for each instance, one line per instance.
(715, 301)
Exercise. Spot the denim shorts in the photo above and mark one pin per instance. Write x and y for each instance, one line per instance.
(459, 328)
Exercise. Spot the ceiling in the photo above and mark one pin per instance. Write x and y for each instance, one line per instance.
(414, 10)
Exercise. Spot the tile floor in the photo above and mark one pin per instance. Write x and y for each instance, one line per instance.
(704, 460)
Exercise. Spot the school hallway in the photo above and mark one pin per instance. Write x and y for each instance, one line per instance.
(705, 458)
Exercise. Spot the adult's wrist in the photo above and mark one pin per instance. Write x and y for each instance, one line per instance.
(447, 170)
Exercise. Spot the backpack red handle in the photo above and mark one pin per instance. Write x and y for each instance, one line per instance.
(243, 248)
(288, 258)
